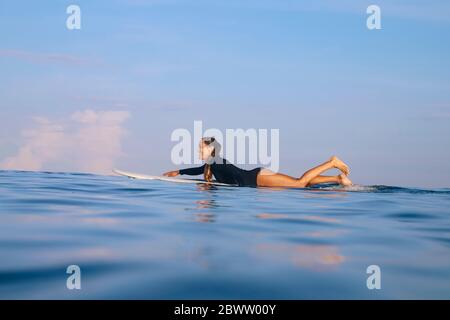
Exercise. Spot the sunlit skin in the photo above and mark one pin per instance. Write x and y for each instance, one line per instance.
(268, 178)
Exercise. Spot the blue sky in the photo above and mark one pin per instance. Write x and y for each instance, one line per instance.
(139, 69)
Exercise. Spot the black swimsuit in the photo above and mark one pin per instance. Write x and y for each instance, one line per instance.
(225, 172)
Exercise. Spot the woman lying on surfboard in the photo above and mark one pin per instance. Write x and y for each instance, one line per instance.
(226, 172)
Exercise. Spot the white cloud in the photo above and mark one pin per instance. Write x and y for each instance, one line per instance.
(89, 141)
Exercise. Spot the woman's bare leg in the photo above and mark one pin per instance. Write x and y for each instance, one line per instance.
(282, 180)
(323, 179)
(306, 178)
(340, 179)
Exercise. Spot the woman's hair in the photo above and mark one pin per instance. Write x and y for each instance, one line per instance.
(208, 141)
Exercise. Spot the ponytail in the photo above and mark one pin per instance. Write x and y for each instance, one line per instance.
(207, 173)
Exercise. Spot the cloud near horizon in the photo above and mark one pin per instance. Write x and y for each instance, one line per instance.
(88, 141)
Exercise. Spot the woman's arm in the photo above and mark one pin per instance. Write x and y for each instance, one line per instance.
(189, 171)
(192, 171)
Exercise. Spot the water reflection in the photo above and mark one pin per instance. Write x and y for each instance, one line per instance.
(205, 206)
(310, 256)
(314, 257)
(309, 218)
(204, 217)
(326, 233)
(201, 256)
(311, 193)
(205, 187)
(325, 194)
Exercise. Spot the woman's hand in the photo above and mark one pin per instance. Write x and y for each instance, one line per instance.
(171, 173)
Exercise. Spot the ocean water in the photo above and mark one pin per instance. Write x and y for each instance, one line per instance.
(160, 240)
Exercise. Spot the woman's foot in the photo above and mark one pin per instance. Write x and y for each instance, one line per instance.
(344, 180)
(339, 164)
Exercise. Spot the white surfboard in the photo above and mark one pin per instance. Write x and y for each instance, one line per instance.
(162, 178)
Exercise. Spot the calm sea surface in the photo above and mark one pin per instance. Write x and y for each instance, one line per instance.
(161, 240)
